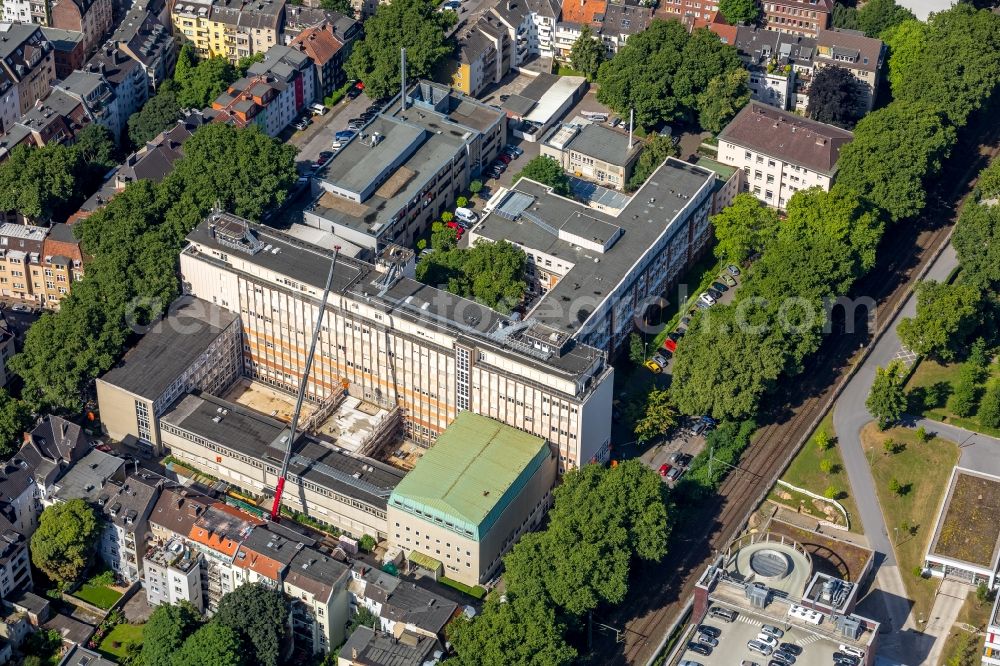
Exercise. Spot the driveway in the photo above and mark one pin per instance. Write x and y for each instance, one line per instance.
(319, 135)
(904, 643)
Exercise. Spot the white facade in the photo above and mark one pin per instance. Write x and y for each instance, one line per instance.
(17, 11)
(771, 179)
(172, 574)
(991, 651)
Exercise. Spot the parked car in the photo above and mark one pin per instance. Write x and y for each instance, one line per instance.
(664, 469)
(842, 658)
(301, 124)
(670, 345)
(103, 447)
(661, 359)
(685, 321)
(767, 639)
(344, 135)
(683, 460)
(772, 631)
(674, 474)
(20, 308)
(703, 638)
(675, 335)
(500, 165)
(702, 305)
(733, 270)
(513, 150)
(615, 122)
(688, 662)
(325, 155)
(760, 648)
(506, 159)
(652, 366)
(728, 279)
(465, 215)
(790, 648)
(426, 251)
(699, 648)
(719, 287)
(783, 657)
(318, 109)
(353, 92)
(706, 297)
(721, 613)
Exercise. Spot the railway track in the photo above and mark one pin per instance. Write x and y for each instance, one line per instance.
(659, 593)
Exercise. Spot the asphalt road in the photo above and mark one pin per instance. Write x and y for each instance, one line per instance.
(905, 643)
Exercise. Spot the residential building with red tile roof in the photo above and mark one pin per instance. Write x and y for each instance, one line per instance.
(328, 54)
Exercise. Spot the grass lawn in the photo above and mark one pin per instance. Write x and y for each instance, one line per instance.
(961, 641)
(563, 70)
(923, 469)
(804, 472)
(122, 635)
(99, 595)
(930, 373)
(476, 592)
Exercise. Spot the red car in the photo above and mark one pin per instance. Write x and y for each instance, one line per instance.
(457, 227)
(670, 345)
(504, 158)
(664, 469)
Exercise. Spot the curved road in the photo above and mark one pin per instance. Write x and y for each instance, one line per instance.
(903, 643)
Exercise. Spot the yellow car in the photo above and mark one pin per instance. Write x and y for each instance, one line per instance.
(653, 366)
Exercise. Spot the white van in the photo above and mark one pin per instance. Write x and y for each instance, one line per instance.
(466, 215)
(853, 651)
(594, 116)
(318, 109)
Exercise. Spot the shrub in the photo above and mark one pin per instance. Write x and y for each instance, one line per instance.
(822, 439)
(447, 217)
(831, 492)
(461, 202)
(826, 465)
(922, 435)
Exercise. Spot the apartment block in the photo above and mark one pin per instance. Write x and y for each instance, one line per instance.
(55, 119)
(37, 264)
(400, 605)
(67, 46)
(231, 29)
(216, 535)
(126, 506)
(272, 95)
(172, 574)
(470, 498)
(367, 647)
(328, 55)
(27, 70)
(594, 152)
(781, 153)
(798, 17)
(144, 39)
(299, 18)
(195, 347)
(91, 17)
(112, 85)
(782, 65)
(405, 168)
(397, 343)
(7, 349)
(15, 570)
(692, 13)
(593, 268)
(321, 604)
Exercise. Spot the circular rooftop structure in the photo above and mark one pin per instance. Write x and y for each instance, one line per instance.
(774, 560)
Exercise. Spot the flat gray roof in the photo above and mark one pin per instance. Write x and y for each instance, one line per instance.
(604, 144)
(86, 478)
(643, 219)
(258, 436)
(170, 347)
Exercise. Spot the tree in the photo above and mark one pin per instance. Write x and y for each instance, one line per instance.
(989, 408)
(887, 399)
(704, 58)
(588, 53)
(831, 492)
(475, 187)
(641, 75)
(341, 6)
(198, 86)
(601, 521)
(822, 440)
(156, 115)
(214, 644)
(15, 417)
(636, 349)
(739, 12)
(922, 435)
(947, 314)
(257, 613)
(844, 17)
(367, 543)
(520, 630)
(877, 16)
(244, 63)
(461, 202)
(546, 171)
(725, 95)
(895, 149)
(977, 243)
(660, 416)
(826, 466)
(165, 632)
(410, 24)
(654, 153)
(965, 398)
(63, 544)
(896, 488)
(744, 229)
(39, 182)
(836, 97)
(491, 273)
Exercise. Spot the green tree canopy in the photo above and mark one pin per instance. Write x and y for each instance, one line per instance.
(660, 416)
(214, 643)
(156, 115)
(844, 17)
(703, 58)
(546, 171)
(989, 406)
(947, 314)
(744, 228)
(836, 97)
(63, 545)
(655, 152)
(411, 24)
(887, 397)
(491, 273)
(601, 521)
(165, 632)
(588, 53)
(877, 16)
(977, 243)
(520, 630)
(839, 214)
(200, 85)
(258, 615)
(725, 95)
(342, 6)
(739, 12)
(895, 149)
(15, 417)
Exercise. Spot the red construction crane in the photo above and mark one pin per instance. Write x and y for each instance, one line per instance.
(276, 507)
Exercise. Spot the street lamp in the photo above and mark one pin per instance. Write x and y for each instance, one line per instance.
(897, 535)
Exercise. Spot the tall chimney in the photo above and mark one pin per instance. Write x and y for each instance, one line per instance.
(631, 123)
(402, 80)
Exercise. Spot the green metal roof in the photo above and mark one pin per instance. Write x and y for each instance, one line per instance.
(724, 171)
(470, 475)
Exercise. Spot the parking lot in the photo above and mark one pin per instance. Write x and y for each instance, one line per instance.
(732, 647)
(319, 135)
